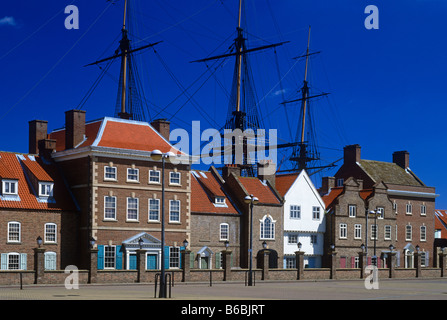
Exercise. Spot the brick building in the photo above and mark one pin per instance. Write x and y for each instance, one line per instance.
(107, 164)
(214, 220)
(35, 202)
(413, 203)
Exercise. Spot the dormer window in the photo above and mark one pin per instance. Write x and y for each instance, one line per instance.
(45, 189)
(219, 200)
(10, 187)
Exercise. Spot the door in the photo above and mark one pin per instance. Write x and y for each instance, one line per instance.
(132, 261)
(203, 262)
(342, 262)
(151, 262)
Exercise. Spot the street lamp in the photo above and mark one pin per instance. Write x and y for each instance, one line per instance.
(227, 244)
(264, 245)
(185, 243)
(362, 247)
(92, 242)
(39, 241)
(157, 155)
(251, 200)
(140, 243)
(391, 247)
(299, 246)
(375, 213)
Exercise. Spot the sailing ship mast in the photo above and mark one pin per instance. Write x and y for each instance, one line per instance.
(241, 114)
(129, 102)
(301, 154)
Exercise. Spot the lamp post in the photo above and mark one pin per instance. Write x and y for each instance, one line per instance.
(299, 246)
(251, 200)
(157, 155)
(185, 244)
(375, 213)
(140, 243)
(227, 244)
(92, 242)
(39, 241)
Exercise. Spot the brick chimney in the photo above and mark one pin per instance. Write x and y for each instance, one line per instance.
(229, 168)
(74, 128)
(37, 132)
(266, 171)
(327, 183)
(352, 154)
(163, 127)
(402, 159)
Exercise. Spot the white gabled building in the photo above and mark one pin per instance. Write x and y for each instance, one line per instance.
(304, 219)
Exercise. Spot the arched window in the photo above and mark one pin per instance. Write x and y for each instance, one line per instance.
(267, 228)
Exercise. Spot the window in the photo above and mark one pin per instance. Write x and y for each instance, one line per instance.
(154, 176)
(45, 189)
(423, 233)
(387, 235)
(295, 212)
(357, 231)
(340, 182)
(154, 209)
(174, 211)
(110, 208)
(174, 178)
(423, 210)
(409, 208)
(395, 206)
(380, 212)
(313, 239)
(343, 230)
(224, 231)
(438, 234)
(267, 228)
(132, 208)
(408, 232)
(9, 187)
(315, 213)
(352, 211)
(50, 233)
(13, 261)
(220, 201)
(109, 173)
(290, 263)
(174, 257)
(13, 232)
(132, 175)
(423, 258)
(109, 257)
(292, 239)
(374, 231)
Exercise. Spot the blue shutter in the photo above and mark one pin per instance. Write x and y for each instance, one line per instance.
(218, 255)
(180, 256)
(191, 260)
(132, 262)
(4, 261)
(119, 258)
(23, 261)
(166, 262)
(100, 257)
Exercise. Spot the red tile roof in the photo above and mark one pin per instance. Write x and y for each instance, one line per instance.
(118, 133)
(441, 222)
(331, 196)
(20, 167)
(204, 187)
(283, 182)
(259, 190)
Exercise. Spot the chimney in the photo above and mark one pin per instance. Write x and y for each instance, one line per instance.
(402, 159)
(163, 127)
(327, 183)
(46, 147)
(74, 128)
(266, 171)
(352, 154)
(37, 132)
(229, 168)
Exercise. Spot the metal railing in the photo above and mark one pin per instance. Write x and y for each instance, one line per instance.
(168, 282)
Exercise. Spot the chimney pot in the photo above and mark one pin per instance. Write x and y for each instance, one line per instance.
(74, 128)
(163, 127)
(37, 131)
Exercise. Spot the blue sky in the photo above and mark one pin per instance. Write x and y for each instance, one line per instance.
(387, 86)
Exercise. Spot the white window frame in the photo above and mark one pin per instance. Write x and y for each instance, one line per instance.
(171, 178)
(48, 233)
(292, 238)
(150, 209)
(157, 177)
(380, 212)
(409, 208)
(316, 213)
(19, 232)
(14, 254)
(343, 231)
(408, 231)
(106, 207)
(423, 233)
(107, 255)
(295, 211)
(269, 233)
(387, 232)
(6, 184)
(224, 231)
(46, 189)
(374, 232)
(219, 201)
(352, 211)
(174, 258)
(172, 213)
(137, 209)
(133, 176)
(357, 231)
(423, 210)
(114, 173)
